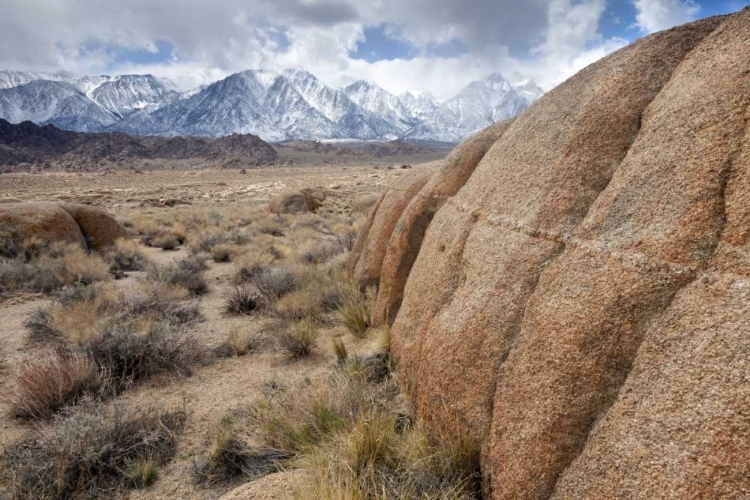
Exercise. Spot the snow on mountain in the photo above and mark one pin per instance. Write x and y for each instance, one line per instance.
(124, 94)
(57, 102)
(529, 90)
(292, 104)
(418, 104)
(355, 121)
(376, 100)
(480, 104)
(10, 79)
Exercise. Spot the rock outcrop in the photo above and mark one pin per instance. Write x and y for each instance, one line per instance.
(580, 306)
(89, 227)
(294, 202)
(403, 245)
(39, 221)
(100, 230)
(366, 259)
(362, 204)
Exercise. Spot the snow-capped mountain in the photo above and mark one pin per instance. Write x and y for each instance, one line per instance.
(354, 120)
(480, 104)
(122, 95)
(61, 103)
(10, 79)
(291, 104)
(418, 104)
(376, 100)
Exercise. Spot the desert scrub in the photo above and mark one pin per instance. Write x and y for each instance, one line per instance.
(229, 458)
(49, 382)
(300, 339)
(49, 268)
(185, 273)
(245, 299)
(126, 256)
(92, 452)
(372, 458)
(224, 252)
(355, 312)
(126, 339)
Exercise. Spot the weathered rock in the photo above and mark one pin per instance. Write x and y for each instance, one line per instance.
(295, 202)
(99, 229)
(580, 306)
(41, 221)
(366, 259)
(362, 204)
(406, 239)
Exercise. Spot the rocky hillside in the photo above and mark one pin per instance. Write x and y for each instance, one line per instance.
(572, 289)
(47, 145)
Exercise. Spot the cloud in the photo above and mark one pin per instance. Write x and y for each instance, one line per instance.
(657, 15)
(196, 42)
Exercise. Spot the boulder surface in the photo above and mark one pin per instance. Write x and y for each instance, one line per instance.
(40, 221)
(100, 230)
(579, 307)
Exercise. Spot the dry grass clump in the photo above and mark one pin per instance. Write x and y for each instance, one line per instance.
(354, 440)
(246, 299)
(93, 453)
(224, 252)
(355, 312)
(373, 458)
(46, 268)
(300, 339)
(229, 458)
(126, 256)
(105, 342)
(52, 381)
(241, 342)
(186, 273)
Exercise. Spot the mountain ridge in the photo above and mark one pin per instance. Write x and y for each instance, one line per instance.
(277, 106)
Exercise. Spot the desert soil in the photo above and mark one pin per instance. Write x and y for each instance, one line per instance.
(215, 390)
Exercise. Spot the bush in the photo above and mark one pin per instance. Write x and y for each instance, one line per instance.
(126, 256)
(127, 356)
(356, 310)
(51, 382)
(222, 253)
(276, 281)
(245, 299)
(92, 452)
(300, 339)
(300, 304)
(229, 458)
(183, 275)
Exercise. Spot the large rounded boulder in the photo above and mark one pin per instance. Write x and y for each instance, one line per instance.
(366, 259)
(99, 229)
(39, 221)
(580, 306)
(406, 238)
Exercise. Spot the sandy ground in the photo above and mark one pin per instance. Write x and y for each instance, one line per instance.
(214, 390)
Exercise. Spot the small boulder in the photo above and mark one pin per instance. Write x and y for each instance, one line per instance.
(294, 202)
(99, 229)
(42, 221)
(362, 204)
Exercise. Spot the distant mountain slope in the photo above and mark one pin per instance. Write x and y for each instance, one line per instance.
(480, 104)
(30, 143)
(290, 105)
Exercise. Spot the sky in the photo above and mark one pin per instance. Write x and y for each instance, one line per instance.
(435, 46)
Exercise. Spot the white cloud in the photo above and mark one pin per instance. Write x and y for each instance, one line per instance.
(545, 39)
(657, 15)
